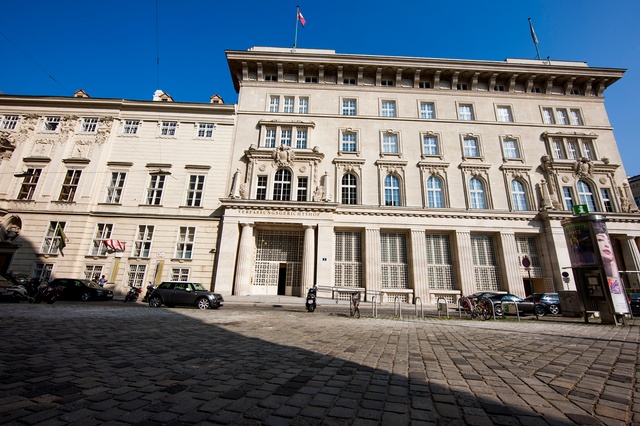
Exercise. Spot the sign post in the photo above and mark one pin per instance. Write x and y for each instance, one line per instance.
(526, 262)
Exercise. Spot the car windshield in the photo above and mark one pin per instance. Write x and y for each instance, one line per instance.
(92, 284)
(198, 287)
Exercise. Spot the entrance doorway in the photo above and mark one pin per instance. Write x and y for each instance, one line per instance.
(282, 279)
(278, 263)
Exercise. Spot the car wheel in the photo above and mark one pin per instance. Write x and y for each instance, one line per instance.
(203, 303)
(155, 302)
(554, 309)
(539, 310)
(86, 296)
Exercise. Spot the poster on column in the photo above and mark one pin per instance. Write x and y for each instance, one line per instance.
(610, 266)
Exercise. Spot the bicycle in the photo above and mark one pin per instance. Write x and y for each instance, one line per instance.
(482, 308)
(467, 306)
(354, 306)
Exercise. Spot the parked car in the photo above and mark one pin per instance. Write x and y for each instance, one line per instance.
(550, 301)
(634, 302)
(85, 290)
(525, 307)
(479, 294)
(172, 293)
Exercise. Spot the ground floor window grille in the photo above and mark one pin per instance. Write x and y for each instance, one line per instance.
(528, 246)
(135, 277)
(393, 256)
(43, 271)
(92, 272)
(440, 273)
(180, 274)
(273, 248)
(484, 263)
(348, 263)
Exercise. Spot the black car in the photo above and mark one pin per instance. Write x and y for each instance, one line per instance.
(550, 302)
(85, 290)
(524, 306)
(172, 293)
(634, 302)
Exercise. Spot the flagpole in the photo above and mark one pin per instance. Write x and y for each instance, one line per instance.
(535, 39)
(295, 40)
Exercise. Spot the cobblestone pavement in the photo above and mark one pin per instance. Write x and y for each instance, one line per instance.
(275, 364)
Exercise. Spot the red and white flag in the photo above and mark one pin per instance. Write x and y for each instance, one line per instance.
(301, 18)
(115, 245)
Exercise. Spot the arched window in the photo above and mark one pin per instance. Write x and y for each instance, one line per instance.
(518, 195)
(434, 192)
(391, 191)
(282, 185)
(586, 195)
(476, 194)
(349, 189)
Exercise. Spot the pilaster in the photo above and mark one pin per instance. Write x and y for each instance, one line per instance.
(511, 267)
(464, 262)
(245, 260)
(418, 271)
(372, 265)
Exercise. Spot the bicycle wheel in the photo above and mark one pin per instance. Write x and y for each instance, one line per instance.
(357, 313)
(464, 305)
(351, 311)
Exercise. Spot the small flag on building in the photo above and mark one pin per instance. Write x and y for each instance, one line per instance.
(301, 18)
(115, 245)
(535, 38)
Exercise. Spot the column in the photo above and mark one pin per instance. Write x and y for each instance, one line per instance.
(245, 257)
(511, 267)
(325, 258)
(419, 266)
(631, 256)
(226, 255)
(464, 254)
(308, 257)
(372, 263)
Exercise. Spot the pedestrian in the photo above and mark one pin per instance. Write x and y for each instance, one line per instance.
(101, 281)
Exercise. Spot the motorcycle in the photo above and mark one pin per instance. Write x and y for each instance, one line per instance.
(47, 293)
(150, 289)
(132, 295)
(311, 299)
(14, 293)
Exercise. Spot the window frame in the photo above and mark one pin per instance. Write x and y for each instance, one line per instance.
(517, 148)
(155, 190)
(195, 190)
(388, 108)
(462, 115)
(205, 130)
(478, 146)
(424, 113)
(29, 184)
(438, 148)
(477, 195)
(51, 124)
(349, 190)
(384, 138)
(392, 188)
(101, 232)
(143, 241)
(70, 185)
(168, 128)
(519, 198)
(115, 188)
(435, 195)
(89, 125)
(130, 127)
(281, 186)
(185, 242)
(509, 111)
(349, 132)
(349, 107)
(9, 123)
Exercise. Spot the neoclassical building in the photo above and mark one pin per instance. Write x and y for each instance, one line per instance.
(415, 177)
(125, 189)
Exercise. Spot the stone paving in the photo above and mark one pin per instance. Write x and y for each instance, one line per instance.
(275, 364)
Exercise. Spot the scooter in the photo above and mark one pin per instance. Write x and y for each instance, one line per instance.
(14, 293)
(47, 293)
(150, 289)
(311, 299)
(132, 295)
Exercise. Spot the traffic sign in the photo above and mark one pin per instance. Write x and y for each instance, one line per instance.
(526, 262)
(579, 209)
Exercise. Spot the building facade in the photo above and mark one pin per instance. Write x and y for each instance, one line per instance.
(414, 177)
(125, 189)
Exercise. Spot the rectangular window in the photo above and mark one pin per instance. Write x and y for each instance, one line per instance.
(440, 268)
(430, 145)
(303, 105)
(154, 191)
(511, 148)
(180, 274)
(547, 116)
(43, 271)
(29, 183)
(51, 124)
(348, 259)
(70, 185)
(568, 197)
(349, 80)
(465, 112)
(562, 116)
(114, 190)
(576, 117)
(311, 79)
(261, 188)
(427, 110)
(195, 190)
(53, 238)
(572, 149)
(130, 127)
(102, 232)
(388, 108)
(285, 137)
(504, 114)
(168, 128)
(387, 83)
(390, 143)
(486, 271)
(462, 86)
(301, 139)
(89, 125)
(9, 122)
(348, 142)
(302, 189)
(471, 147)
(92, 272)
(558, 149)
(270, 77)
(135, 277)
(587, 149)
(606, 200)
(349, 107)
(142, 243)
(184, 245)
(205, 130)
(274, 104)
(270, 138)
(393, 259)
(288, 104)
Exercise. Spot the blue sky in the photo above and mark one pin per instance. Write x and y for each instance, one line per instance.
(109, 48)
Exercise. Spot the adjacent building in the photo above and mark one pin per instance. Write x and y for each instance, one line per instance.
(399, 177)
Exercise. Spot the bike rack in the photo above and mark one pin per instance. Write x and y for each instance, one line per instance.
(399, 310)
(460, 308)
(415, 301)
(446, 305)
(505, 309)
(374, 306)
